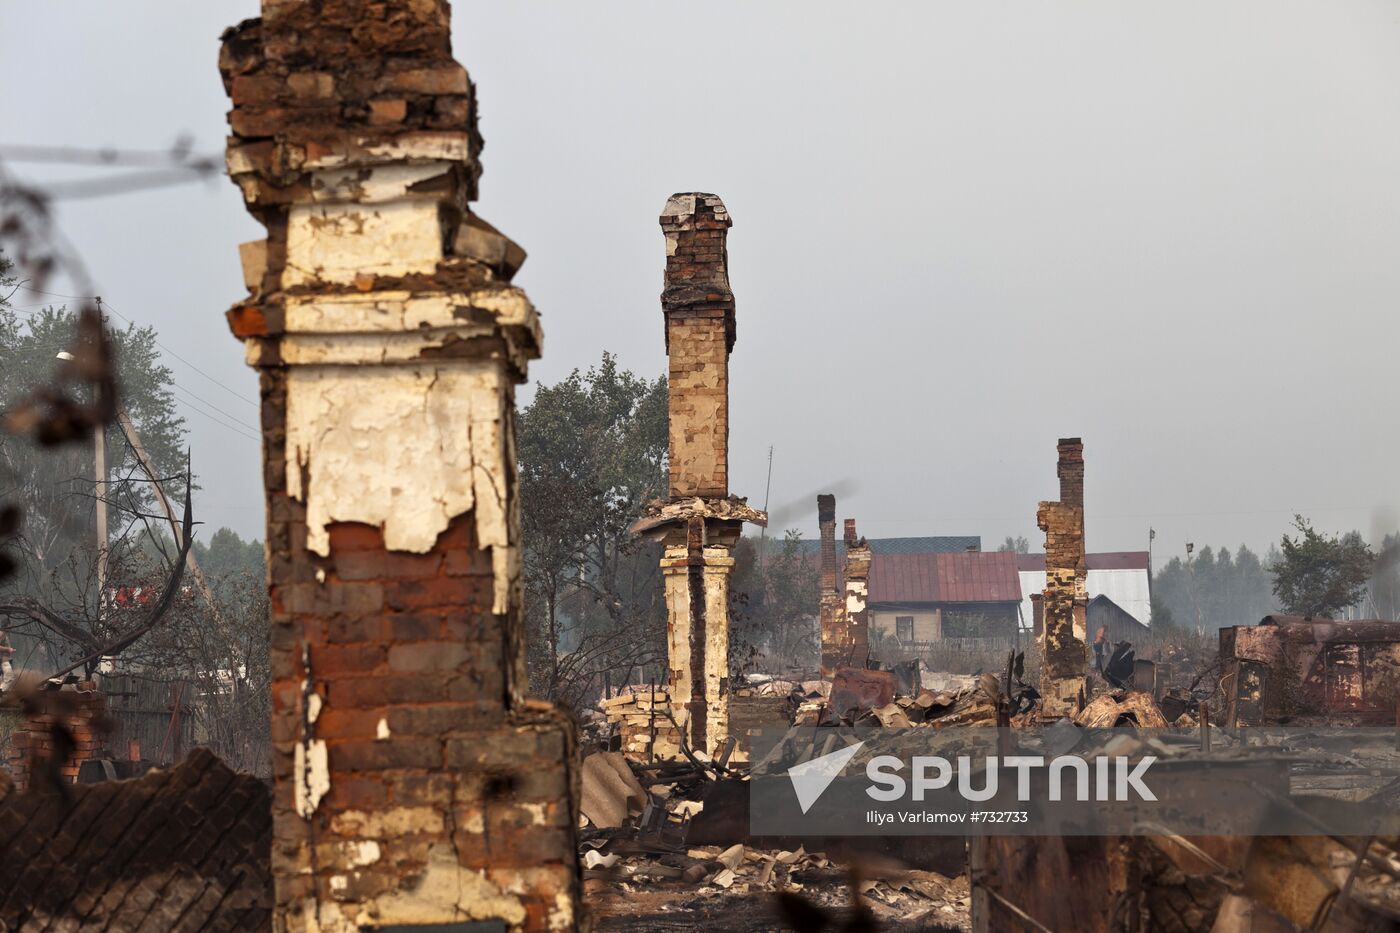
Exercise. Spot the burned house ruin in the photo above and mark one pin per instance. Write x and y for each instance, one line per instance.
(414, 782)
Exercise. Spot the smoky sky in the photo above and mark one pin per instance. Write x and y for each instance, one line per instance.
(962, 230)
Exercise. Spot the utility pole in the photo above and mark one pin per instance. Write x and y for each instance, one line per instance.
(1195, 597)
(99, 440)
(763, 529)
(99, 488)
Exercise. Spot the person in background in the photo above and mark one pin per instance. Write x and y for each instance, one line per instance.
(1100, 647)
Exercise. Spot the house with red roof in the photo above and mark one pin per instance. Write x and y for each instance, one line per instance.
(929, 597)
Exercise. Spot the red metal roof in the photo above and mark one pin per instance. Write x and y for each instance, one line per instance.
(978, 578)
(1105, 560)
(973, 577)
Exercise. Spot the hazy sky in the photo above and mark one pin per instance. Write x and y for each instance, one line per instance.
(961, 231)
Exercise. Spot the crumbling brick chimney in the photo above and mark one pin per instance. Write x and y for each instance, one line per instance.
(854, 644)
(1064, 660)
(414, 783)
(70, 722)
(700, 522)
(832, 604)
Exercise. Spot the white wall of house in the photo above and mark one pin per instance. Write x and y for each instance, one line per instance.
(926, 623)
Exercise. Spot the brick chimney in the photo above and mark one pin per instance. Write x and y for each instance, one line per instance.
(414, 783)
(699, 309)
(853, 644)
(831, 605)
(70, 720)
(701, 522)
(1064, 661)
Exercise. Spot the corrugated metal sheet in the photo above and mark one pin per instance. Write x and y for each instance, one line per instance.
(904, 578)
(975, 577)
(1127, 588)
(978, 578)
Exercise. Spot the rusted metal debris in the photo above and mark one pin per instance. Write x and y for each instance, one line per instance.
(856, 691)
(1288, 668)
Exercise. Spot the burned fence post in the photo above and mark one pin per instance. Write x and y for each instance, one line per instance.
(1063, 683)
(700, 522)
(414, 782)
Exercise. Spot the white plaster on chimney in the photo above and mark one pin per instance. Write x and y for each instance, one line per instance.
(406, 449)
(338, 242)
(311, 776)
(382, 730)
(856, 591)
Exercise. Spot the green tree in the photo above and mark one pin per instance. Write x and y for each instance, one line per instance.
(55, 549)
(1320, 575)
(1016, 545)
(592, 452)
(1218, 587)
(774, 606)
(56, 487)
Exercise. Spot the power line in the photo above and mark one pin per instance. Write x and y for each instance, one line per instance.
(177, 356)
(107, 306)
(187, 397)
(122, 184)
(175, 166)
(177, 156)
(214, 418)
(205, 401)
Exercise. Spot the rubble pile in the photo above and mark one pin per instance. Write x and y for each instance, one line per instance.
(972, 701)
(619, 871)
(642, 719)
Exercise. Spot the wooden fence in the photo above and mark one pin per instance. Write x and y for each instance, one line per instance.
(158, 715)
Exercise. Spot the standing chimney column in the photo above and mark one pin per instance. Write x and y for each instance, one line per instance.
(700, 522)
(855, 640)
(415, 785)
(832, 602)
(1064, 660)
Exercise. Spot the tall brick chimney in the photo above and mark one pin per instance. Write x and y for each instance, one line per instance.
(1064, 661)
(414, 783)
(831, 605)
(700, 522)
(699, 309)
